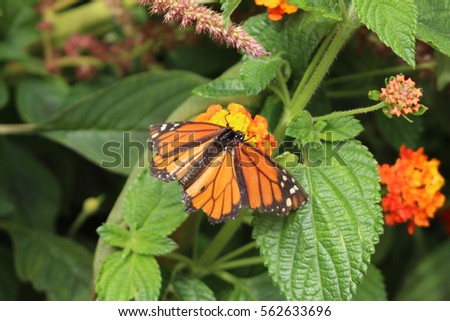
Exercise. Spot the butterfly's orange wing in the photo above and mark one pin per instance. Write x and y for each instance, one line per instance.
(180, 147)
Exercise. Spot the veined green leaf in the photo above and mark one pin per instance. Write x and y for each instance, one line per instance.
(341, 128)
(256, 74)
(154, 205)
(321, 251)
(301, 127)
(53, 264)
(228, 7)
(192, 289)
(30, 193)
(430, 279)
(327, 8)
(395, 23)
(433, 24)
(128, 277)
(372, 286)
(110, 127)
(114, 235)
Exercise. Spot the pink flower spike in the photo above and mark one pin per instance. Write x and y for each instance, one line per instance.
(189, 12)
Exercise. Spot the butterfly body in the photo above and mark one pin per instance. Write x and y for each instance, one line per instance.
(220, 172)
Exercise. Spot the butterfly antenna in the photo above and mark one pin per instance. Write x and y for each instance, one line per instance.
(226, 119)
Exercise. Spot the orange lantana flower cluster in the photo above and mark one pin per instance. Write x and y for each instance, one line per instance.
(238, 118)
(277, 8)
(413, 189)
(402, 96)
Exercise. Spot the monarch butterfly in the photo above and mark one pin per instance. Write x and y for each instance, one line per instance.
(220, 172)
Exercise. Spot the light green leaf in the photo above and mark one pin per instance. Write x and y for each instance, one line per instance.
(130, 277)
(39, 99)
(329, 9)
(433, 24)
(114, 235)
(301, 127)
(372, 286)
(153, 205)
(394, 21)
(221, 87)
(257, 288)
(442, 71)
(192, 289)
(53, 264)
(110, 127)
(31, 195)
(397, 131)
(145, 241)
(321, 251)
(9, 284)
(256, 74)
(4, 94)
(228, 7)
(341, 128)
(430, 279)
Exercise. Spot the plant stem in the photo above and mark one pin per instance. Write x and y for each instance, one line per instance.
(257, 260)
(316, 71)
(11, 129)
(237, 252)
(179, 257)
(380, 72)
(220, 241)
(355, 111)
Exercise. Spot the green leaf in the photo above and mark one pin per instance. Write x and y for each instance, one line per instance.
(228, 7)
(397, 131)
(430, 279)
(433, 24)
(114, 235)
(394, 21)
(256, 74)
(154, 205)
(266, 31)
(128, 277)
(39, 99)
(301, 127)
(110, 127)
(257, 288)
(372, 286)
(31, 195)
(53, 264)
(321, 251)
(221, 87)
(442, 71)
(329, 9)
(9, 284)
(192, 289)
(145, 241)
(4, 94)
(341, 128)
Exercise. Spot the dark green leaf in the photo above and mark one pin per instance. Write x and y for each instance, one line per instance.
(372, 286)
(110, 127)
(53, 264)
(257, 288)
(433, 24)
(31, 195)
(301, 127)
(341, 128)
(266, 31)
(9, 284)
(192, 289)
(153, 205)
(329, 9)
(4, 94)
(394, 21)
(228, 7)
(128, 277)
(397, 131)
(114, 235)
(256, 74)
(321, 251)
(39, 99)
(430, 279)
(442, 71)
(221, 87)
